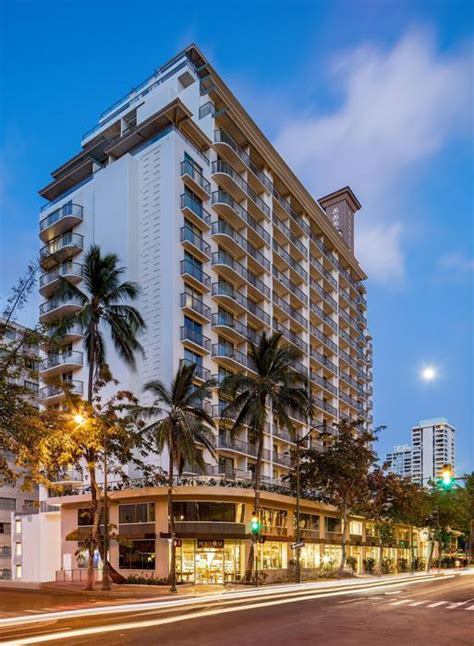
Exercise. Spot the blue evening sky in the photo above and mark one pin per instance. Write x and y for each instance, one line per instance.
(377, 95)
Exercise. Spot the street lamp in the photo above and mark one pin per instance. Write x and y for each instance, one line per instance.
(299, 441)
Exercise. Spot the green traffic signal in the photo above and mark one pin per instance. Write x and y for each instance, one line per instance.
(447, 477)
(255, 524)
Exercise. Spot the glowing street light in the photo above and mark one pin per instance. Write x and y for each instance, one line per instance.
(79, 419)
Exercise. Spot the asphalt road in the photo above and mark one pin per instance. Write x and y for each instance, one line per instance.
(438, 612)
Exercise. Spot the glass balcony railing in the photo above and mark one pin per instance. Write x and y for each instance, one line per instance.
(195, 304)
(190, 269)
(195, 206)
(199, 371)
(69, 210)
(62, 358)
(189, 235)
(222, 197)
(63, 271)
(188, 168)
(196, 337)
(67, 242)
(76, 387)
(223, 258)
(219, 166)
(222, 228)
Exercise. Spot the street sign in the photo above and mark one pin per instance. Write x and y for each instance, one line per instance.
(295, 546)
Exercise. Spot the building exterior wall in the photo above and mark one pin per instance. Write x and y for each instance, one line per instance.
(206, 549)
(36, 541)
(225, 244)
(399, 461)
(434, 445)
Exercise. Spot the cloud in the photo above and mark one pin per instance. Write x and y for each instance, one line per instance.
(457, 262)
(399, 107)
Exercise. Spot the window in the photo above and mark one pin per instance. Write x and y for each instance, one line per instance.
(309, 523)
(191, 324)
(143, 512)
(192, 357)
(191, 161)
(355, 527)
(18, 549)
(224, 512)
(271, 556)
(17, 526)
(5, 528)
(333, 525)
(274, 521)
(18, 572)
(8, 504)
(85, 518)
(138, 555)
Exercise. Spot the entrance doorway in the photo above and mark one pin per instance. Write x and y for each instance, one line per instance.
(209, 565)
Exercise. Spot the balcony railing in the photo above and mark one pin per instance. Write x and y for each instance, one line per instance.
(290, 336)
(190, 269)
(193, 205)
(62, 358)
(219, 166)
(199, 371)
(282, 458)
(61, 246)
(323, 382)
(222, 228)
(288, 309)
(223, 289)
(222, 197)
(290, 285)
(73, 269)
(225, 320)
(281, 226)
(188, 168)
(323, 338)
(221, 136)
(189, 235)
(195, 304)
(193, 336)
(229, 352)
(295, 265)
(69, 214)
(240, 446)
(323, 316)
(58, 304)
(76, 387)
(223, 258)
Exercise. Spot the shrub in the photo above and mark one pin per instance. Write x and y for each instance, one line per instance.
(352, 563)
(369, 565)
(402, 565)
(387, 567)
(418, 564)
(146, 580)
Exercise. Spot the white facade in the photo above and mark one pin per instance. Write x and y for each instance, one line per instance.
(399, 461)
(224, 242)
(36, 546)
(433, 442)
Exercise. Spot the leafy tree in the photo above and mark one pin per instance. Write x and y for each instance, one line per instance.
(274, 384)
(104, 306)
(180, 425)
(339, 473)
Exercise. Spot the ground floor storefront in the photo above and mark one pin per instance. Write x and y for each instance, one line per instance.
(213, 536)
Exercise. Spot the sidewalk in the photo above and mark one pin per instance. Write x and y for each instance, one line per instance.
(155, 592)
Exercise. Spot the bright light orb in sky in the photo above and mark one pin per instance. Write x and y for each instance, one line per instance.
(429, 373)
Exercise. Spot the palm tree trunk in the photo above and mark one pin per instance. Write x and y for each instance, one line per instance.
(172, 574)
(343, 541)
(252, 549)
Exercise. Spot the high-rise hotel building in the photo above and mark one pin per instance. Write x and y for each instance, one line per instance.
(225, 242)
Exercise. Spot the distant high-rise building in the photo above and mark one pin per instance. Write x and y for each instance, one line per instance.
(433, 442)
(399, 461)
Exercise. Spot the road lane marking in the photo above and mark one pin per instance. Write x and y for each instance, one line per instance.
(470, 607)
(438, 603)
(455, 605)
(399, 603)
(419, 603)
(352, 600)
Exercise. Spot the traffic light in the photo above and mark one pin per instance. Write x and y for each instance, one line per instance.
(447, 477)
(255, 524)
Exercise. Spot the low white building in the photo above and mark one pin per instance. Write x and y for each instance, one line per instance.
(36, 546)
(433, 442)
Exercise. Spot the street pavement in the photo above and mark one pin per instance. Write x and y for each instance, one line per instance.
(427, 611)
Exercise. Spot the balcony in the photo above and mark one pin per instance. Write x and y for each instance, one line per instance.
(328, 322)
(194, 211)
(323, 338)
(55, 364)
(54, 394)
(225, 145)
(230, 357)
(70, 476)
(323, 361)
(287, 286)
(195, 243)
(232, 269)
(201, 373)
(71, 271)
(195, 276)
(222, 292)
(61, 249)
(290, 236)
(195, 339)
(195, 306)
(232, 211)
(290, 336)
(223, 323)
(76, 333)
(291, 311)
(283, 459)
(66, 217)
(323, 383)
(232, 445)
(193, 177)
(227, 236)
(57, 308)
(228, 178)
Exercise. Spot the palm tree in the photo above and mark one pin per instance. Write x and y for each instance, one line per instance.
(276, 384)
(180, 424)
(102, 298)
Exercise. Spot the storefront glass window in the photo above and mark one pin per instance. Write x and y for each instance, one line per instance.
(139, 555)
(272, 555)
(143, 512)
(198, 562)
(224, 512)
(309, 556)
(309, 525)
(274, 521)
